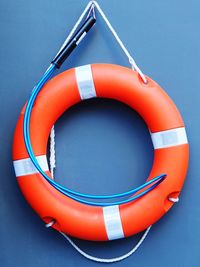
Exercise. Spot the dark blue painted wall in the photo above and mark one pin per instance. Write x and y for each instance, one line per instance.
(102, 146)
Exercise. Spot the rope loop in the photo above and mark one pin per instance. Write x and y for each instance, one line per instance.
(97, 259)
(119, 41)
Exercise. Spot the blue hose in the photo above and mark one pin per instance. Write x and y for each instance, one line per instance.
(66, 191)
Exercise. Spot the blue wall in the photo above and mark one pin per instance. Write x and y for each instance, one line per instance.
(102, 146)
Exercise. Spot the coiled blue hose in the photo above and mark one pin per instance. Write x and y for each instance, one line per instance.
(66, 191)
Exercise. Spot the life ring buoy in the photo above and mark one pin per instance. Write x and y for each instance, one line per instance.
(171, 152)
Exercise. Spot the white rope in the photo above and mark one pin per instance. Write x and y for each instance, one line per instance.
(47, 225)
(90, 8)
(174, 199)
(105, 260)
(119, 41)
(102, 260)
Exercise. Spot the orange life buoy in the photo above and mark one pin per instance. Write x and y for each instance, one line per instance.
(171, 152)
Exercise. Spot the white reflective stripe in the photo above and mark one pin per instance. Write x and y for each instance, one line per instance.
(26, 167)
(113, 222)
(168, 138)
(85, 82)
